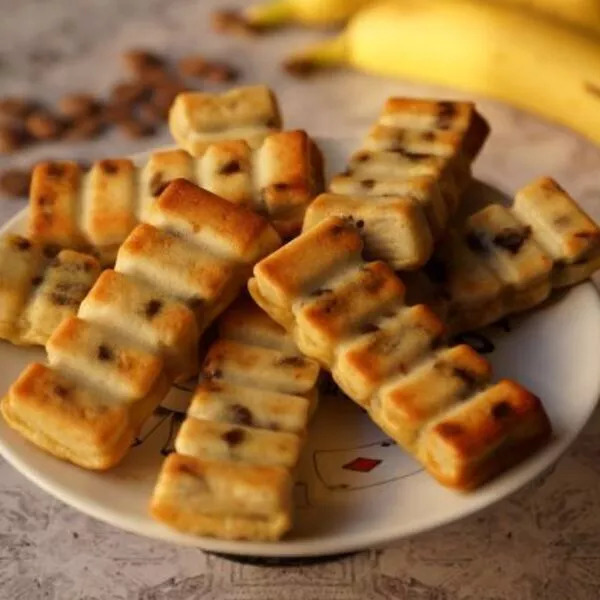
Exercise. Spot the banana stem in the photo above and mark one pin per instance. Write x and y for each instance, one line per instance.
(270, 14)
(330, 53)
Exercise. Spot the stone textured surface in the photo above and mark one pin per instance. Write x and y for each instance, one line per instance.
(541, 544)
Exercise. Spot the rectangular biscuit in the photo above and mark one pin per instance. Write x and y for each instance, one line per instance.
(162, 324)
(484, 435)
(329, 315)
(387, 345)
(59, 290)
(407, 402)
(395, 229)
(92, 353)
(72, 421)
(225, 402)
(21, 263)
(223, 498)
(215, 440)
(197, 119)
(254, 366)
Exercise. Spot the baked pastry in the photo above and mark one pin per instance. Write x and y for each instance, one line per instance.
(197, 119)
(95, 211)
(39, 287)
(413, 166)
(137, 330)
(231, 474)
(505, 260)
(351, 316)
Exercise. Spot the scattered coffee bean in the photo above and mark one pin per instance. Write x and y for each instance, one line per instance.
(138, 61)
(153, 113)
(15, 182)
(12, 137)
(129, 92)
(117, 112)
(15, 107)
(230, 21)
(135, 128)
(42, 125)
(193, 66)
(76, 106)
(85, 128)
(220, 73)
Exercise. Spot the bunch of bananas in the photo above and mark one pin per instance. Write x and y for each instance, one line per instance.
(540, 55)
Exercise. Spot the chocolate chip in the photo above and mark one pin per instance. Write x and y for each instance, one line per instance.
(15, 182)
(54, 169)
(291, 361)
(60, 299)
(152, 308)
(501, 410)
(156, 184)
(368, 183)
(449, 429)
(110, 167)
(37, 280)
(61, 390)
(428, 136)
(369, 328)
(281, 186)
(320, 292)
(446, 113)
(233, 437)
(362, 157)
(360, 223)
(230, 167)
(240, 414)
(512, 239)
(194, 303)
(468, 377)
(22, 243)
(51, 250)
(586, 235)
(104, 352)
(476, 241)
(212, 373)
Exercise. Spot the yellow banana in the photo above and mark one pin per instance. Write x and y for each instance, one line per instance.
(504, 53)
(274, 13)
(582, 13)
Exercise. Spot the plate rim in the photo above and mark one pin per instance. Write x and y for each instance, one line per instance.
(514, 480)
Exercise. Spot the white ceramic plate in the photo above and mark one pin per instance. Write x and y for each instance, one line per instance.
(355, 489)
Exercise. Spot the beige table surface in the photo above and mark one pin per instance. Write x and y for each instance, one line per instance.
(541, 544)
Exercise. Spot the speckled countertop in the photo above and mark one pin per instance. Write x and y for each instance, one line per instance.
(541, 544)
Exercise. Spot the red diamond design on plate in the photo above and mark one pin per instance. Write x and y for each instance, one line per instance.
(361, 464)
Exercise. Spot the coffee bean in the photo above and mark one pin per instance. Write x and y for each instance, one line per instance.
(85, 128)
(129, 92)
(12, 138)
(194, 65)
(42, 125)
(117, 112)
(138, 61)
(230, 21)
(15, 107)
(220, 73)
(134, 128)
(15, 182)
(76, 106)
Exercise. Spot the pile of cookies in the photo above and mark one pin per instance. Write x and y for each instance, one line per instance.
(126, 269)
